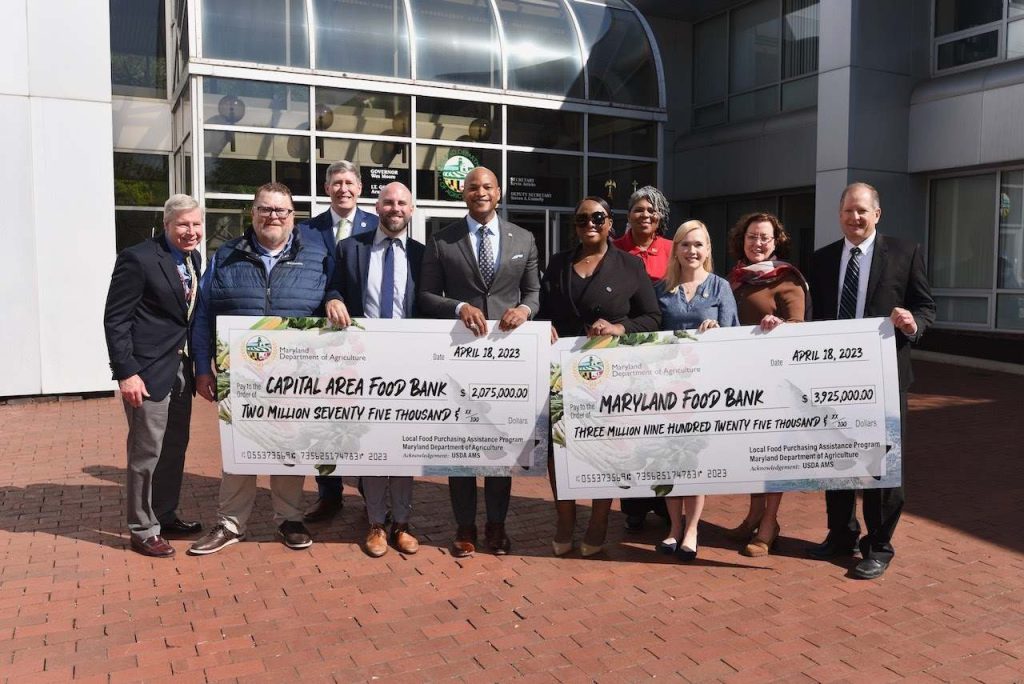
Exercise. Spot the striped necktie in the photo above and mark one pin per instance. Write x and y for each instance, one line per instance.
(851, 281)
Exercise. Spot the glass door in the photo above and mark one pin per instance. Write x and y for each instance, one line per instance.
(428, 220)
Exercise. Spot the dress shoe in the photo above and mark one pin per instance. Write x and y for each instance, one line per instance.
(402, 540)
(465, 542)
(869, 568)
(376, 541)
(761, 544)
(155, 546)
(497, 541)
(561, 548)
(686, 554)
(215, 540)
(323, 510)
(742, 532)
(294, 535)
(668, 546)
(635, 523)
(834, 546)
(588, 550)
(181, 528)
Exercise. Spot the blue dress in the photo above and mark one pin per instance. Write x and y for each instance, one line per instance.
(713, 299)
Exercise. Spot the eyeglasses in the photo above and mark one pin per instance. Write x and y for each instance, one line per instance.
(279, 212)
(597, 218)
(763, 239)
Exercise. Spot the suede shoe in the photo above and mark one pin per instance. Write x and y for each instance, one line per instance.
(155, 546)
(498, 542)
(323, 510)
(834, 546)
(181, 528)
(402, 540)
(215, 540)
(294, 535)
(869, 568)
(376, 541)
(465, 542)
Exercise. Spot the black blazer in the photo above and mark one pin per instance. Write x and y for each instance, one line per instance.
(619, 291)
(897, 278)
(146, 316)
(352, 264)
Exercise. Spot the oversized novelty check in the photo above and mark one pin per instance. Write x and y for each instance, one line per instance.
(806, 406)
(382, 397)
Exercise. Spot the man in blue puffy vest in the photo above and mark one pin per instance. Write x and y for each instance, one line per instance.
(268, 271)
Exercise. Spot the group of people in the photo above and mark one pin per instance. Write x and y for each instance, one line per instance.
(347, 263)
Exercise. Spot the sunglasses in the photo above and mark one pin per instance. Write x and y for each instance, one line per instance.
(597, 218)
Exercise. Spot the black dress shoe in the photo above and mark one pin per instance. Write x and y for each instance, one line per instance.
(635, 523)
(869, 568)
(834, 546)
(181, 527)
(323, 509)
(686, 554)
(155, 546)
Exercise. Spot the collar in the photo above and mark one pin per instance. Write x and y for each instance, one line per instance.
(865, 246)
(176, 254)
(474, 225)
(336, 217)
(380, 236)
(263, 251)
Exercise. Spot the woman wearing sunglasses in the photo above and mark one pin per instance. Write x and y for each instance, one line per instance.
(769, 292)
(593, 290)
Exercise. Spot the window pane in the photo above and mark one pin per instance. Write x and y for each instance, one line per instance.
(132, 226)
(968, 50)
(440, 170)
(464, 121)
(544, 180)
(231, 101)
(1011, 231)
(754, 46)
(961, 310)
(362, 36)
(619, 58)
(713, 215)
(241, 162)
(456, 42)
(800, 94)
(141, 180)
(712, 114)
(799, 37)
(962, 222)
(536, 223)
(541, 47)
(380, 162)
(262, 31)
(1015, 8)
(360, 111)
(1015, 40)
(797, 215)
(617, 179)
(138, 52)
(751, 105)
(557, 130)
(956, 15)
(710, 60)
(623, 136)
(1010, 311)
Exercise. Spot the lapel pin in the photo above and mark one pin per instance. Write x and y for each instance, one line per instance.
(608, 288)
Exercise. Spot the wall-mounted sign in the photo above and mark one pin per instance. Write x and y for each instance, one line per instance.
(374, 178)
(453, 171)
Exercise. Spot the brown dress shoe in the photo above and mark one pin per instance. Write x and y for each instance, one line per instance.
(155, 546)
(376, 541)
(322, 510)
(498, 542)
(402, 540)
(465, 542)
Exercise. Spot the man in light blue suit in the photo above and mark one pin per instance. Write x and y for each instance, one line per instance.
(343, 184)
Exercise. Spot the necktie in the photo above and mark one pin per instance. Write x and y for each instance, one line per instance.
(387, 281)
(190, 294)
(848, 300)
(342, 230)
(485, 257)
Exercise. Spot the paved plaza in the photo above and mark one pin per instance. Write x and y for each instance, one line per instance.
(77, 605)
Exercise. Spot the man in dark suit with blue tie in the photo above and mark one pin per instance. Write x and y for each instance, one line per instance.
(147, 322)
(343, 184)
(477, 269)
(868, 274)
(375, 276)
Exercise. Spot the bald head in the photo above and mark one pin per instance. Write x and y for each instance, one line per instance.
(394, 207)
(481, 193)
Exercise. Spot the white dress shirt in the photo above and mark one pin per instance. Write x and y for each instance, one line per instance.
(342, 224)
(371, 298)
(867, 248)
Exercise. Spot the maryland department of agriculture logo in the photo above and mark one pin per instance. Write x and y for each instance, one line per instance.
(590, 368)
(258, 348)
(454, 170)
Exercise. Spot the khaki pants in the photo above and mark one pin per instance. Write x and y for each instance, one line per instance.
(238, 494)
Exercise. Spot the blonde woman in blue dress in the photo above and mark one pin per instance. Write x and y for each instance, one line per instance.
(691, 297)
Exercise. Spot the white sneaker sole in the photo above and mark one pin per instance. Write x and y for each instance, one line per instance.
(206, 552)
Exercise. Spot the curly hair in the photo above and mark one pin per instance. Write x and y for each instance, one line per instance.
(738, 234)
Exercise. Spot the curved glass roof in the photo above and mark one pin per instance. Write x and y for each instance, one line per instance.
(597, 50)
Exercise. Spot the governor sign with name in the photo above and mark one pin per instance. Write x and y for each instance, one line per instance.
(733, 410)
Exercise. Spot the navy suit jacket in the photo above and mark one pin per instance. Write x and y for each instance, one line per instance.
(321, 227)
(146, 317)
(352, 258)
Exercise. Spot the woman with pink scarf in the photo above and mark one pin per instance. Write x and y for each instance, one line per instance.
(768, 292)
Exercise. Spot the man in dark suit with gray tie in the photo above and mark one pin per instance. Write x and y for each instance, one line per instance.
(476, 269)
(343, 184)
(147, 321)
(868, 274)
(375, 276)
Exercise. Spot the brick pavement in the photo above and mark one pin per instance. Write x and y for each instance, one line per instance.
(76, 605)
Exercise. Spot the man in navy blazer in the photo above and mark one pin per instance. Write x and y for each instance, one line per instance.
(343, 184)
(888, 279)
(375, 277)
(147, 321)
